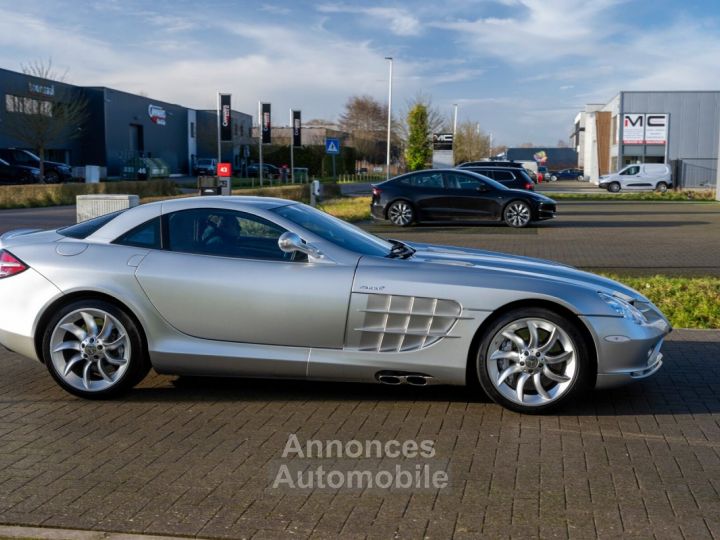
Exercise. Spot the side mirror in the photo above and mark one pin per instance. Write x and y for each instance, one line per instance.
(290, 242)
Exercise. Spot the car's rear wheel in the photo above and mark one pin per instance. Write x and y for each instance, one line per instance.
(553, 178)
(662, 187)
(401, 213)
(93, 349)
(580, 178)
(613, 187)
(517, 214)
(52, 177)
(533, 359)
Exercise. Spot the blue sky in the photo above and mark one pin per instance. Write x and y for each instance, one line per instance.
(520, 68)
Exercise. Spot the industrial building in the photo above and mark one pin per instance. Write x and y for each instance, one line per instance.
(121, 126)
(679, 128)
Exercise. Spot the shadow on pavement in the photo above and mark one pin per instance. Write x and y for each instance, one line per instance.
(688, 383)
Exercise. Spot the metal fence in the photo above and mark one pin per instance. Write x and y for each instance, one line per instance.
(695, 172)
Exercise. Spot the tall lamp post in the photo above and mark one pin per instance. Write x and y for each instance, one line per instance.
(389, 128)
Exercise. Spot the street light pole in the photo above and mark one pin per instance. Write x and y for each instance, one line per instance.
(455, 108)
(389, 127)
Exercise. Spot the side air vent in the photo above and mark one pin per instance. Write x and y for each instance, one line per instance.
(392, 323)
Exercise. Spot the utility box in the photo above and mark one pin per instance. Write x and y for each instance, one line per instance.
(92, 206)
(209, 185)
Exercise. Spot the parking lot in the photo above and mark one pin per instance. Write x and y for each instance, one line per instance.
(197, 457)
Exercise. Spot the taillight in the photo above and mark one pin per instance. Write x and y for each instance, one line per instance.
(9, 265)
(375, 192)
(529, 186)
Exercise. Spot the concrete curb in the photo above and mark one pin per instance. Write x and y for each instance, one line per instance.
(41, 533)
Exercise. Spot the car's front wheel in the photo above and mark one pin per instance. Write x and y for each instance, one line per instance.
(532, 359)
(401, 213)
(517, 214)
(93, 349)
(613, 187)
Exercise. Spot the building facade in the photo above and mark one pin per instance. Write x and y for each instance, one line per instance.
(119, 126)
(680, 128)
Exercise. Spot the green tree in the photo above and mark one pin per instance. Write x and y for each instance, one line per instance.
(418, 151)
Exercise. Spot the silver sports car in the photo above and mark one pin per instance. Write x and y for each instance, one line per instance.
(263, 287)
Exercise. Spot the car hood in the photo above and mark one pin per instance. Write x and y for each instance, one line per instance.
(519, 265)
(57, 164)
(539, 197)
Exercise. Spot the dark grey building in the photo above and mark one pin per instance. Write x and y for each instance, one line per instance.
(121, 126)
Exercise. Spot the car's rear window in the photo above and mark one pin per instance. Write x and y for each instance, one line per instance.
(86, 228)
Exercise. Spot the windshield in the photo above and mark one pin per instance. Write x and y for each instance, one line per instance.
(85, 228)
(335, 230)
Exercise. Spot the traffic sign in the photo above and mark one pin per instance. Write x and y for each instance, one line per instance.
(224, 169)
(332, 146)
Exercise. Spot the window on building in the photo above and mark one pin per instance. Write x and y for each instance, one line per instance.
(192, 130)
(615, 129)
(242, 130)
(26, 105)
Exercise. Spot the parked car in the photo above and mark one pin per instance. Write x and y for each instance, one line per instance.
(205, 167)
(513, 178)
(456, 195)
(315, 298)
(18, 174)
(568, 174)
(524, 165)
(269, 171)
(639, 177)
(55, 172)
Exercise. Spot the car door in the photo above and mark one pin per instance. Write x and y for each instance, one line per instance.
(632, 179)
(470, 197)
(427, 191)
(234, 284)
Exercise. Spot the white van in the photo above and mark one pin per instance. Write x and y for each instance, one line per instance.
(639, 177)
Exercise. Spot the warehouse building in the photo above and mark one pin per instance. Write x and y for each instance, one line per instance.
(680, 128)
(119, 126)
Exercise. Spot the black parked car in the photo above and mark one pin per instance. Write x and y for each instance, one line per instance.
(54, 172)
(205, 167)
(18, 174)
(269, 171)
(456, 195)
(509, 177)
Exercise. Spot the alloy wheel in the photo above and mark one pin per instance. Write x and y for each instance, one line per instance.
(90, 349)
(400, 213)
(532, 362)
(517, 214)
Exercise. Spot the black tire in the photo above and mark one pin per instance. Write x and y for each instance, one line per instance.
(517, 214)
(614, 187)
(52, 177)
(580, 178)
(138, 364)
(401, 213)
(584, 367)
(662, 187)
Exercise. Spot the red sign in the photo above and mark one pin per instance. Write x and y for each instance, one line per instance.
(224, 169)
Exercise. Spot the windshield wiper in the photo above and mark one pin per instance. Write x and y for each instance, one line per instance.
(400, 250)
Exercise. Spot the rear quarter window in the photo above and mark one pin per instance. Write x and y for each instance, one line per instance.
(85, 228)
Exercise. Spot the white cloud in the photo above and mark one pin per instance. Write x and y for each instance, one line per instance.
(400, 21)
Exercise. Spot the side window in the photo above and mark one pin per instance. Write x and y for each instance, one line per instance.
(146, 235)
(631, 171)
(504, 176)
(463, 181)
(424, 180)
(22, 157)
(224, 233)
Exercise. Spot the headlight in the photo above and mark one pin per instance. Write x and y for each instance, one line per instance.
(623, 308)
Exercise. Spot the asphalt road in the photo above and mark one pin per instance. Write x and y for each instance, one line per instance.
(629, 237)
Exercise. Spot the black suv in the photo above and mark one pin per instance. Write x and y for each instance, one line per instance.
(510, 177)
(54, 172)
(18, 174)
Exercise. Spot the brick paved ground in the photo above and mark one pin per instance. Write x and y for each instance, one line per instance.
(197, 457)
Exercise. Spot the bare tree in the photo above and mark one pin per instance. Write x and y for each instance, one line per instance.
(562, 143)
(527, 145)
(471, 143)
(365, 119)
(43, 113)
